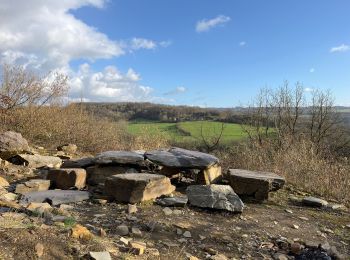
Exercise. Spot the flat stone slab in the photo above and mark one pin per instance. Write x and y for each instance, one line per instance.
(79, 163)
(181, 158)
(137, 187)
(36, 160)
(172, 201)
(119, 157)
(215, 197)
(314, 202)
(254, 183)
(32, 185)
(55, 197)
(67, 178)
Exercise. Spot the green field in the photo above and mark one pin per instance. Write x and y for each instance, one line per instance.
(188, 131)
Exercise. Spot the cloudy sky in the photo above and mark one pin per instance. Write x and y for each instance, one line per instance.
(198, 52)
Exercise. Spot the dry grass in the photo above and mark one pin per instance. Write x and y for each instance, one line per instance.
(299, 163)
(51, 126)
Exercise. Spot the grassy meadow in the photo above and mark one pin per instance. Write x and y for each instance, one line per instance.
(188, 131)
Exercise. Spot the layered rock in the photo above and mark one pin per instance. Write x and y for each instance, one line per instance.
(98, 174)
(215, 197)
(137, 187)
(67, 178)
(79, 163)
(210, 175)
(253, 183)
(12, 143)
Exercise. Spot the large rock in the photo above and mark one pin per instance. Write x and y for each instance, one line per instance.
(98, 174)
(137, 187)
(314, 202)
(67, 178)
(79, 163)
(119, 157)
(32, 185)
(12, 143)
(215, 197)
(181, 158)
(55, 197)
(256, 184)
(36, 160)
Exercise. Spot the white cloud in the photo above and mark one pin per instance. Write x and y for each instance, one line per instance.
(243, 43)
(44, 35)
(340, 48)
(312, 70)
(308, 89)
(176, 91)
(205, 24)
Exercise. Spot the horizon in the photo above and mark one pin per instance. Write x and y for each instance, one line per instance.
(198, 53)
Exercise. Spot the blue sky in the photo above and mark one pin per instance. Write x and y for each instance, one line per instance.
(164, 56)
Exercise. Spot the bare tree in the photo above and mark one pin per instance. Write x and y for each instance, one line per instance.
(212, 141)
(19, 87)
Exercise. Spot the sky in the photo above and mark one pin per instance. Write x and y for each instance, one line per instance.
(199, 53)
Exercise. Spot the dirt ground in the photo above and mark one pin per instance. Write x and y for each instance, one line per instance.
(250, 235)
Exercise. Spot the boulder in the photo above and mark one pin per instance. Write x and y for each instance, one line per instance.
(79, 163)
(39, 207)
(119, 157)
(12, 143)
(32, 185)
(172, 201)
(210, 175)
(137, 187)
(98, 174)
(215, 197)
(67, 178)
(254, 183)
(181, 158)
(55, 197)
(36, 160)
(68, 148)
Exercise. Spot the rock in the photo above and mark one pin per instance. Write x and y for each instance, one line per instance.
(68, 148)
(119, 157)
(136, 232)
(210, 175)
(137, 247)
(137, 187)
(124, 240)
(55, 197)
(100, 255)
(132, 208)
(181, 158)
(314, 202)
(295, 226)
(214, 196)
(280, 256)
(4, 182)
(12, 143)
(296, 248)
(39, 207)
(98, 174)
(187, 234)
(256, 184)
(39, 250)
(122, 230)
(167, 211)
(8, 196)
(218, 257)
(81, 232)
(79, 163)
(67, 178)
(36, 160)
(9, 204)
(172, 201)
(32, 185)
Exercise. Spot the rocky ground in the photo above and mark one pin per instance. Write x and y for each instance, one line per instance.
(43, 215)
